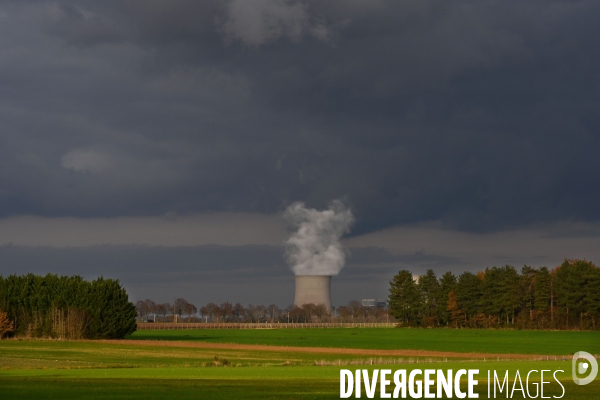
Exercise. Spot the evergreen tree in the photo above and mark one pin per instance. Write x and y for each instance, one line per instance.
(542, 290)
(527, 289)
(469, 294)
(61, 306)
(577, 292)
(501, 293)
(405, 299)
(511, 295)
(592, 295)
(430, 288)
(569, 294)
(457, 316)
(448, 284)
(541, 297)
(113, 316)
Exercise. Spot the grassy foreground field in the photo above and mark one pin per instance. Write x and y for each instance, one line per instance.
(464, 340)
(239, 383)
(168, 370)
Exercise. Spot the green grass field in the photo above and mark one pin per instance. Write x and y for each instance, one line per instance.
(242, 383)
(100, 370)
(464, 340)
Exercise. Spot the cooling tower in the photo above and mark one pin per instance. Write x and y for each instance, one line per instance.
(313, 289)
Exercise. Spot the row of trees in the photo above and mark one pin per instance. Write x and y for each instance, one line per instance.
(354, 311)
(566, 297)
(67, 307)
(180, 308)
(228, 312)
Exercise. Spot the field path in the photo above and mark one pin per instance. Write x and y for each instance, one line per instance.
(320, 350)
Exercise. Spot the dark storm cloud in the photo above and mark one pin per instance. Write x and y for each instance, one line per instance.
(198, 273)
(378, 255)
(211, 273)
(144, 264)
(483, 115)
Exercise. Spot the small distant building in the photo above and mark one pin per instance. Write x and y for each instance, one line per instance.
(375, 303)
(369, 303)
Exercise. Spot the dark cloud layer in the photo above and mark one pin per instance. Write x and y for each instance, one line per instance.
(483, 115)
(143, 264)
(210, 273)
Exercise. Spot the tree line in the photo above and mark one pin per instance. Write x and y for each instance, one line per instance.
(66, 307)
(566, 297)
(227, 312)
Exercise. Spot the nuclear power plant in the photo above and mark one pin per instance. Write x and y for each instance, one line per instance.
(315, 289)
(314, 251)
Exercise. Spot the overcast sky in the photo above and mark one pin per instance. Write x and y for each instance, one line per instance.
(158, 142)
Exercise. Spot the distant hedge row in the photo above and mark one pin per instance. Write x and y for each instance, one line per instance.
(67, 307)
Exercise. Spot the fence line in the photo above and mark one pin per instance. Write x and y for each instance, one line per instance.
(258, 325)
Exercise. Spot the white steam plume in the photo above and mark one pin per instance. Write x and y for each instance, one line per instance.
(315, 248)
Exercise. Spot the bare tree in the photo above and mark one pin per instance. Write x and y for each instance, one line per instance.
(77, 322)
(190, 310)
(273, 312)
(357, 309)
(163, 309)
(227, 310)
(179, 306)
(152, 308)
(296, 313)
(218, 312)
(145, 307)
(344, 312)
(211, 310)
(204, 313)
(254, 313)
(239, 312)
(371, 313)
(381, 314)
(140, 307)
(6, 326)
(321, 311)
(308, 311)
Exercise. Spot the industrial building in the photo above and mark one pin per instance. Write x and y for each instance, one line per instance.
(315, 289)
(375, 303)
